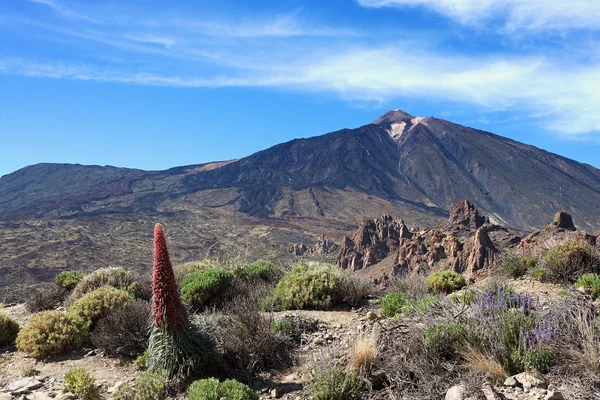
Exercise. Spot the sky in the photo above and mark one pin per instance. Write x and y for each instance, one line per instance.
(154, 84)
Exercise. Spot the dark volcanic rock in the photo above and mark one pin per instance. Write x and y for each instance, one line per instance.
(564, 221)
(478, 253)
(464, 213)
(323, 247)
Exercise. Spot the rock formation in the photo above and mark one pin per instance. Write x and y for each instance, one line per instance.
(468, 244)
(323, 247)
(564, 221)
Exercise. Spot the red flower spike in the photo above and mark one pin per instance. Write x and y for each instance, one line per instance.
(168, 313)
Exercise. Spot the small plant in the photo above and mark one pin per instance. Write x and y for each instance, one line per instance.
(199, 288)
(563, 292)
(445, 282)
(98, 303)
(117, 278)
(141, 363)
(354, 288)
(49, 333)
(212, 389)
(589, 281)
(540, 274)
(69, 279)
(392, 303)
(422, 305)
(308, 285)
(175, 346)
(516, 267)
(81, 383)
(29, 371)
(568, 260)
(363, 353)
(466, 297)
(9, 329)
(261, 269)
(282, 326)
(124, 330)
(445, 338)
(148, 386)
(329, 379)
(47, 297)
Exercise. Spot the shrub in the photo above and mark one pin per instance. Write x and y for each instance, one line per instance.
(200, 287)
(148, 386)
(175, 345)
(260, 269)
(141, 363)
(414, 285)
(182, 270)
(445, 281)
(516, 267)
(422, 305)
(589, 281)
(466, 297)
(392, 303)
(49, 333)
(98, 303)
(363, 353)
(48, 297)
(308, 285)
(212, 389)
(125, 330)
(353, 289)
(445, 338)
(29, 371)
(9, 329)
(540, 274)
(329, 379)
(117, 278)
(80, 382)
(568, 260)
(282, 326)
(69, 279)
(563, 292)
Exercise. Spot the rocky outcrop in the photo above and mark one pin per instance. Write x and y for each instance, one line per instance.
(323, 247)
(467, 244)
(464, 213)
(564, 221)
(372, 242)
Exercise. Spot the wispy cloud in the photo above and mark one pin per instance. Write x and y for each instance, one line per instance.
(531, 15)
(67, 12)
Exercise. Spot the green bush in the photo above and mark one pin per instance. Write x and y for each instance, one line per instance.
(422, 305)
(49, 333)
(29, 371)
(444, 338)
(182, 270)
(568, 260)
(115, 277)
(80, 382)
(516, 267)
(282, 326)
(69, 279)
(540, 274)
(445, 281)
(466, 297)
(141, 363)
(260, 269)
(200, 287)
(329, 379)
(392, 303)
(9, 329)
(212, 389)
(563, 292)
(308, 285)
(148, 386)
(98, 303)
(589, 281)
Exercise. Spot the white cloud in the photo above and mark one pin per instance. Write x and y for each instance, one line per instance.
(67, 12)
(531, 15)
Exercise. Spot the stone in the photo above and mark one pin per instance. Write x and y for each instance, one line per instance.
(531, 380)
(554, 395)
(67, 396)
(5, 396)
(458, 392)
(564, 221)
(511, 381)
(24, 385)
(464, 213)
(372, 316)
(115, 387)
(277, 393)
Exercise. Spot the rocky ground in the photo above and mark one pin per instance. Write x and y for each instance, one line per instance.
(337, 329)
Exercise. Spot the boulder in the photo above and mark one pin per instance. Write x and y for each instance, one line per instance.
(23, 385)
(564, 221)
(554, 395)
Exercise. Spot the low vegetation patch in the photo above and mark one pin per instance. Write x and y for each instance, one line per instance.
(308, 285)
(47, 297)
(445, 282)
(331, 379)
(81, 383)
(115, 277)
(392, 303)
(589, 281)
(49, 333)
(568, 260)
(201, 287)
(517, 267)
(9, 329)
(261, 269)
(212, 389)
(540, 274)
(148, 386)
(69, 279)
(97, 304)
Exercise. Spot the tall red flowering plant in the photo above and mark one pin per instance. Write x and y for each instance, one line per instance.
(169, 315)
(176, 346)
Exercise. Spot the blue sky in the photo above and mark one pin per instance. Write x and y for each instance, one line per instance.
(154, 84)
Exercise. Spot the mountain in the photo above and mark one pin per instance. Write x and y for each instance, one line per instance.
(56, 216)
